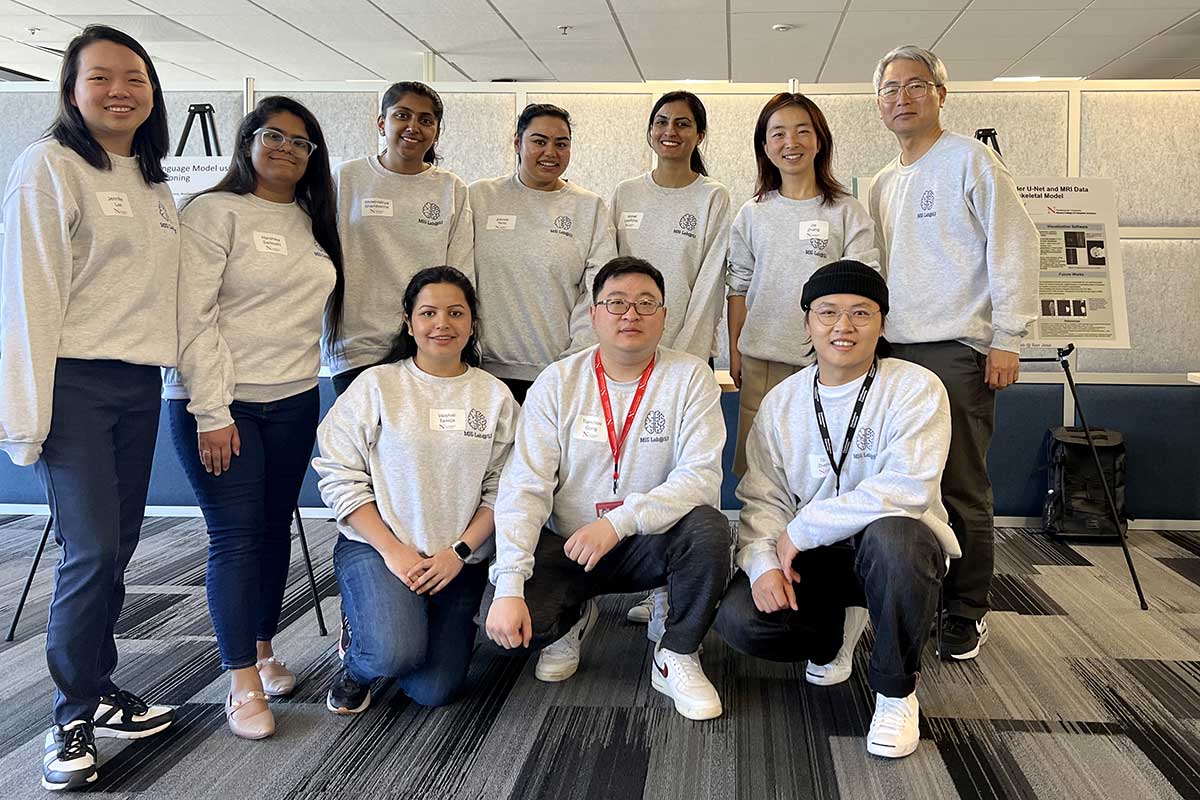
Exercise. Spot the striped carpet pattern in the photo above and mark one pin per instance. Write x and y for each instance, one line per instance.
(1077, 694)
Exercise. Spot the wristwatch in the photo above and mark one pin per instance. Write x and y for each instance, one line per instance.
(462, 550)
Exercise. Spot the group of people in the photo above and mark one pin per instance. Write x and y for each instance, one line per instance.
(527, 415)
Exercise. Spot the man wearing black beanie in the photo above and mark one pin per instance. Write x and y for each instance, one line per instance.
(842, 508)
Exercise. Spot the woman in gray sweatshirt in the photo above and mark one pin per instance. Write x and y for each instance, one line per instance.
(87, 303)
(261, 273)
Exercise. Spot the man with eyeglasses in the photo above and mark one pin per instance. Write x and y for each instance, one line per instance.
(842, 508)
(961, 260)
(612, 486)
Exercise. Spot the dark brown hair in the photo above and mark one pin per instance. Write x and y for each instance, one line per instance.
(769, 179)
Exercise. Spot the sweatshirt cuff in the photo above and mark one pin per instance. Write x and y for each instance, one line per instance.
(214, 420)
(345, 508)
(22, 453)
(623, 520)
(510, 584)
(761, 564)
(1006, 341)
(799, 535)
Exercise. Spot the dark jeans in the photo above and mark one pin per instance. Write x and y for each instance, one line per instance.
(691, 559)
(898, 565)
(966, 487)
(95, 469)
(423, 640)
(342, 381)
(519, 388)
(248, 510)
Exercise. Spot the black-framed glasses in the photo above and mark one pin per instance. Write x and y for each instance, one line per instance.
(644, 308)
(274, 140)
(914, 89)
(859, 317)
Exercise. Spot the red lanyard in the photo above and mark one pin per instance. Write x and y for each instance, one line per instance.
(615, 443)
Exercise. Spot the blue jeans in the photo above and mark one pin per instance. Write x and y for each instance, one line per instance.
(248, 510)
(95, 468)
(423, 640)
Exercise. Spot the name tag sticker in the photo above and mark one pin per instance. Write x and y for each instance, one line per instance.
(501, 222)
(602, 509)
(632, 220)
(447, 419)
(270, 243)
(376, 207)
(818, 465)
(814, 229)
(589, 429)
(114, 204)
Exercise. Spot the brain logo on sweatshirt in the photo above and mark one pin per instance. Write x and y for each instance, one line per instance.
(655, 423)
(162, 212)
(688, 222)
(866, 439)
(814, 237)
(431, 211)
(477, 420)
(563, 223)
(927, 200)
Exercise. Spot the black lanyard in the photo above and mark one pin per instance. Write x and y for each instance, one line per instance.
(858, 407)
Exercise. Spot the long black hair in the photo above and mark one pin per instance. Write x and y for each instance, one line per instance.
(151, 141)
(769, 178)
(535, 110)
(398, 90)
(314, 191)
(699, 113)
(404, 345)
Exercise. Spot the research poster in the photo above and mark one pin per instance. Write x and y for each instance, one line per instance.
(190, 174)
(1081, 283)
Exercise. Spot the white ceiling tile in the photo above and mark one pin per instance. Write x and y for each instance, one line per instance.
(390, 62)
(1184, 4)
(507, 7)
(967, 69)
(195, 8)
(144, 28)
(762, 55)
(687, 7)
(463, 33)
(51, 32)
(1169, 46)
(669, 47)
(899, 27)
(68, 7)
(907, 5)
(850, 65)
(587, 61)
(1145, 69)
(1133, 22)
(999, 47)
(584, 27)
(982, 25)
(1028, 5)
(784, 7)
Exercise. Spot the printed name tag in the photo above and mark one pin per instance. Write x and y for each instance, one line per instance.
(603, 508)
(447, 419)
(814, 229)
(270, 243)
(376, 207)
(114, 204)
(589, 429)
(501, 222)
(819, 465)
(632, 220)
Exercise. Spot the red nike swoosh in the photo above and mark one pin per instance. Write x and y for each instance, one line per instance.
(662, 669)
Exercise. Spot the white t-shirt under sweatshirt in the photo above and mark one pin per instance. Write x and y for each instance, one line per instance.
(562, 467)
(391, 227)
(775, 247)
(91, 263)
(253, 285)
(894, 467)
(961, 252)
(536, 254)
(426, 450)
(683, 232)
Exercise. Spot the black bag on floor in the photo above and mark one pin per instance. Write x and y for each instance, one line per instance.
(1075, 502)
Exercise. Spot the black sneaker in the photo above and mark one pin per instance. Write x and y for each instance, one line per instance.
(348, 696)
(69, 758)
(344, 637)
(962, 637)
(124, 715)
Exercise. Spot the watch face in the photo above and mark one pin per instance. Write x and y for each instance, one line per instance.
(462, 550)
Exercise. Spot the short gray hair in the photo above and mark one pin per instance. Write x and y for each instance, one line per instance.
(911, 52)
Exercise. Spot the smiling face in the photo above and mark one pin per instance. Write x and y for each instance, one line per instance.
(440, 323)
(673, 134)
(844, 351)
(410, 127)
(280, 170)
(791, 141)
(113, 93)
(903, 115)
(630, 335)
(544, 151)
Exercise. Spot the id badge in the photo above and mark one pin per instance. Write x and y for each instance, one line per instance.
(602, 509)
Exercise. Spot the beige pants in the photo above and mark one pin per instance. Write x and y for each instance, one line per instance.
(758, 378)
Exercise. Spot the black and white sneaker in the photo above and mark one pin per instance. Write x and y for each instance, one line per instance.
(348, 696)
(344, 637)
(124, 715)
(69, 758)
(962, 637)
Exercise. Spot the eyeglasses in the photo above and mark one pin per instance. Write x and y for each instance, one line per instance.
(914, 89)
(644, 308)
(274, 140)
(859, 317)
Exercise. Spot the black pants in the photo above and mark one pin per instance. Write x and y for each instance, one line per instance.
(897, 565)
(518, 387)
(966, 487)
(691, 559)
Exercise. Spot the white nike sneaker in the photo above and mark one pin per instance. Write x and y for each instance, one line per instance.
(839, 669)
(560, 660)
(657, 625)
(681, 678)
(895, 728)
(640, 613)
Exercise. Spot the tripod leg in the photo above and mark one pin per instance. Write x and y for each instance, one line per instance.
(187, 129)
(1112, 504)
(37, 558)
(312, 581)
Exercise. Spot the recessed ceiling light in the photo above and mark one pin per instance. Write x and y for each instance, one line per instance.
(782, 27)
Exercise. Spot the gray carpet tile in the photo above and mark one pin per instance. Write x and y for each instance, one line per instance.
(1077, 694)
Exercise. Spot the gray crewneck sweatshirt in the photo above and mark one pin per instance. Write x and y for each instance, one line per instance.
(561, 466)
(427, 450)
(91, 263)
(961, 252)
(536, 254)
(775, 246)
(391, 227)
(894, 468)
(253, 285)
(683, 232)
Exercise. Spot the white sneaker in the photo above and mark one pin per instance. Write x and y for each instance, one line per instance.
(838, 670)
(895, 728)
(560, 660)
(658, 616)
(681, 678)
(640, 613)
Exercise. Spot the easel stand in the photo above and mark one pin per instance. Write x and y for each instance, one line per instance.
(208, 122)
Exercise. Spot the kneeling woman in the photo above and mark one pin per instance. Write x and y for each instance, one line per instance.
(410, 463)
